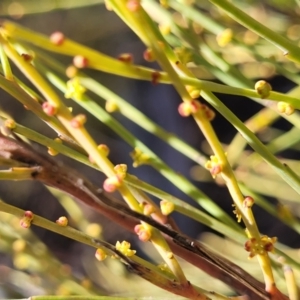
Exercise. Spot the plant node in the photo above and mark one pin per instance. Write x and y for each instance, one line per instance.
(139, 158)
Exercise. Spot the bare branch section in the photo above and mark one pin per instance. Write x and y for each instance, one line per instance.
(52, 173)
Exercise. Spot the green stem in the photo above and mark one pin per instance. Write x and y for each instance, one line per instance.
(289, 49)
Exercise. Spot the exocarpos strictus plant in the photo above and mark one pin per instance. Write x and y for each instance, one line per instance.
(202, 49)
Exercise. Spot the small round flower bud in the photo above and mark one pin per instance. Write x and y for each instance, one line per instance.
(29, 215)
(111, 106)
(71, 71)
(149, 55)
(19, 245)
(248, 202)
(170, 255)
(49, 109)
(126, 57)
(285, 108)
(10, 123)
(78, 121)
(165, 29)
(100, 254)
(224, 37)
(57, 38)
(166, 207)
(80, 61)
(112, 183)
(133, 5)
(263, 88)
(62, 221)
(187, 108)
(104, 149)
(94, 230)
(148, 208)
(25, 222)
(194, 92)
(143, 232)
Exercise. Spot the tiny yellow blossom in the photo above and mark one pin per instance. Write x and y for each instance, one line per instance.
(74, 89)
(124, 248)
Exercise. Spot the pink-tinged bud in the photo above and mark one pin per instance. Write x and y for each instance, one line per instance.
(166, 207)
(184, 109)
(100, 254)
(62, 221)
(155, 77)
(126, 57)
(78, 121)
(80, 61)
(215, 170)
(29, 215)
(25, 222)
(149, 55)
(49, 109)
(112, 183)
(138, 228)
(133, 5)
(143, 233)
(187, 108)
(57, 38)
(148, 209)
(248, 202)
